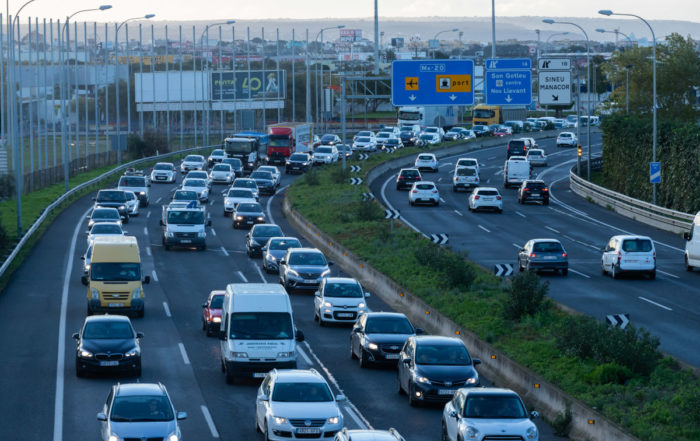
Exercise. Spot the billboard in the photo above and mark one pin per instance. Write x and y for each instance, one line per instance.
(248, 85)
(350, 35)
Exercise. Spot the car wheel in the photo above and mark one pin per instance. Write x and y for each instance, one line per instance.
(443, 434)
(565, 271)
(652, 275)
(89, 311)
(230, 379)
(454, 189)
(437, 203)
(126, 219)
(602, 269)
(137, 371)
(352, 352)
(267, 433)
(688, 266)
(399, 388)
(613, 272)
(204, 326)
(520, 267)
(321, 322)
(79, 371)
(546, 202)
(500, 210)
(410, 203)
(141, 313)
(411, 396)
(364, 358)
(257, 426)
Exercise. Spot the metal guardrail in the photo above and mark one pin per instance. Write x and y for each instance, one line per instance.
(52, 206)
(645, 212)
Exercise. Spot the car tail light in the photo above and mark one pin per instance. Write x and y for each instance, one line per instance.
(476, 179)
(400, 178)
(533, 255)
(526, 189)
(545, 189)
(456, 179)
(435, 191)
(619, 256)
(476, 197)
(414, 191)
(563, 254)
(498, 198)
(654, 256)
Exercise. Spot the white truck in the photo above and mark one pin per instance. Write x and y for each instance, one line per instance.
(692, 245)
(257, 331)
(516, 170)
(426, 116)
(184, 225)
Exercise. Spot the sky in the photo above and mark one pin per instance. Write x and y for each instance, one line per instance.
(315, 9)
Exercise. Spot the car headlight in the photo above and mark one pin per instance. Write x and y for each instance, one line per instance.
(133, 353)
(173, 437)
(471, 433)
(473, 380)
(239, 217)
(254, 243)
(271, 257)
(280, 420)
(239, 355)
(136, 293)
(285, 354)
(216, 319)
(85, 354)
(169, 234)
(121, 207)
(334, 420)
(328, 304)
(372, 346)
(228, 203)
(261, 218)
(531, 433)
(361, 305)
(142, 193)
(94, 293)
(113, 437)
(201, 234)
(421, 379)
(325, 273)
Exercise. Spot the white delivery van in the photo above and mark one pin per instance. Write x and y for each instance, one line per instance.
(257, 331)
(692, 245)
(515, 171)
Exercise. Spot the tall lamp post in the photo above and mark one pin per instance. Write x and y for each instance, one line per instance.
(588, 89)
(608, 13)
(116, 79)
(320, 99)
(617, 33)
(442, 32)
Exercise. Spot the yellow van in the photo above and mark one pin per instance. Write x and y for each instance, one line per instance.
(114, 280)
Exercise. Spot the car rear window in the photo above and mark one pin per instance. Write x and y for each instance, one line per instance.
(565, 135)
(132, 181)
(425, 186)
(535, 185)
(636, 245)
(487, 193)
(410, 173)
(222, 167)
(547, 247)
(516, 143)
(425, 157)
(466, 171)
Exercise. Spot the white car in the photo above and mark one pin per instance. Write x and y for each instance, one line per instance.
(221, 174)
(164, 172)
(567, 139)
(294, 404)
(325, 154)
(424, 192)
(197, 174)
(465, 177)
(395, 131)
(382, 137)
(629, 254)
(537, 157)
(364, 134)
(365, 144)
(235, 196)
(426, 161)
(487, 413)
(132, 203)
(468, 162)
(197, 185)
(486, 198)
(104, 229)
(216, 157)
(435, 130)
(249, 184)
(193, 162)
(426, 139)
(339, 300)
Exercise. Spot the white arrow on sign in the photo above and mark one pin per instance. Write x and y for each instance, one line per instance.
(509, 99)
(453, 97)
(412, 97)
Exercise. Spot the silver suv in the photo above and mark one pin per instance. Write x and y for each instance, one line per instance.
(303, 268)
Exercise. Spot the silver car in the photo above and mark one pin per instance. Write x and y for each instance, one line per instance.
(275, 249)
(139, 411)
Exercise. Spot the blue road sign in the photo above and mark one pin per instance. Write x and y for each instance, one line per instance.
(432, 82)
(508, 81)
(655, 172)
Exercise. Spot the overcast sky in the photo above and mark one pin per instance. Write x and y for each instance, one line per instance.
(300, 9)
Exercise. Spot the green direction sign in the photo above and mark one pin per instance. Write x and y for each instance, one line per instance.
(245, 85)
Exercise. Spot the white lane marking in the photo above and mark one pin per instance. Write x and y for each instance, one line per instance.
(213, 231)
(183, 352)
(391, 207)
(167, 309)
(269, 202)
(223, 250)
(145, 230)
(657, 304)
(667, 274)
(354, 416)
(516, 245)
(240, 274)
(552, 229)
(570, 238)
(442, 200)
(491, 157)
(520, 214)
(580, 273)
(61, 356)
(158, 200)
(330, 376)
(210, 421)
(148, 250)
(499, 172)
(484, 228)
(211, 202)
(446, 164)
(148, 214)
(154, 275)
(458, 213)
(208, 215)
(304, 356)
(261, 274)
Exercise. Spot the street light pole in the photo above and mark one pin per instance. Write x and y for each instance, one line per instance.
(442, 32)
(616, 32)
(493, 28)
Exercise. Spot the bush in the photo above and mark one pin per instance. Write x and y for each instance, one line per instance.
(368, 211)
(151, 144)
(453, 267)
(609, 373)
(312, 178)
(4, 241)
(526, 296)
(7, 187)
(340, 176)
(562, 423)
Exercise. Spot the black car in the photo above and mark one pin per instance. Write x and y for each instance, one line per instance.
(330, 139)
(377, 337)
(113, 199)
(516, 147)
(298, 163)
(432, 368)
(265, 182)
(408, 137)
(533, 191)
(107, 343)
(481, 130)
(258, 236)
(235, 164)
(247, 215)
(406, 178)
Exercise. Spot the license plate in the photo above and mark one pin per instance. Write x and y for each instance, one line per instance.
(345, 314)
(160, 178)
(109, 363)
(186, 241)
(309, 281)
(446, 391)
(249, 222)
(308, 430)
(115, 305)
(535, 195)
(392, 356)
(550, 257)
(631, 261)
(259, 374)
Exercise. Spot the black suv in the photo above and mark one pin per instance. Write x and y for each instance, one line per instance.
(298, 163)
(108, 343)
(516, 147)
(533, 191)
(406, 178)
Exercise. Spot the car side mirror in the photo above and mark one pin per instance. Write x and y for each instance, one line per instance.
(454, 414)
(124, 232)
(262, 397)
(147, 280)
(94, 198)
(406, 360)
(331, 263)
(149, 184)
(299, 336)
(356, 329)
(283, 262)
(182, 416)
(264, 248)
(101, 416)
(686, 236)
(204, 305)
(82, 257)
(534, 414)
(84, 280)
(87, 232)
(87, 217)
(139, 335)
(76, 336)
(209, 223)
(420, 331)
(340, 397)
(476, 361)
(317, 293)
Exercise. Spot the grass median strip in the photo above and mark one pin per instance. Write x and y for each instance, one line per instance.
(619, 373)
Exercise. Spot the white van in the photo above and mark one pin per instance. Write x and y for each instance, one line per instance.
(692, 245)
(515, 171)
(257, 331)
(629, 254)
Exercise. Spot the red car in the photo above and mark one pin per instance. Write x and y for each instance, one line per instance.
(211, 312)
(502, 132)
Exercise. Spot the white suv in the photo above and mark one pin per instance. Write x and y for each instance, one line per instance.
(567, 139)
(297, 403)
(424, 192)
(426, 161)
(487, 413)
(629, 254)
(325, 154)
(339, 299)
(485, 197)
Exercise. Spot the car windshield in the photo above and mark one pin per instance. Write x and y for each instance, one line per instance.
(233, 162)
(311, 259)
(106, 229)
(240, 193)
(261, 175)
(111, 196)
(388, 325)
(431, 130)
(249, 208)
(298, 157)
(349, 290)
(193, 158)
(115, 272)
(547, 247)
(315, 392)
(466, 171)
(487, 193)
(479, 128)
(364, 133)
(217, 152)
(167, 167)
(197, 175)
(324, 150)
(383, 135)
(494, 407)
(194, 183)
(467, 162)
(105, 214)
(106, 329)
(636, 245)
(217, 302)
(426, 136)
(284, 244)
(245, 183)
(534, 153)
(186, 217)
(392, 141)
(450, 355)
(268, 169)
(185, 195)
(261, 326)
(535, 185)
(266, 231)
(327, 138)
(222, 167)
(132, 181)
(454, 130)
(132, 408)
(565, 135)
(364, 139)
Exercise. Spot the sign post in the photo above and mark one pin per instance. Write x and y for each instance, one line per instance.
(655, 172)
(432, 82)
(508, 81)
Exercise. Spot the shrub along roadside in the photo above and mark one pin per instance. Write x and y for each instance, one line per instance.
(625, 378)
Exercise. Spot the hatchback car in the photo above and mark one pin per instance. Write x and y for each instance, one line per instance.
(543, 254)
(276, 176)
(533, 191)
(297, 404)
(407, 177)
(629, 254)
(381, 138)
(436, 131)
(197, 185)
(258, 236)
(221, 174)
(103, 215)
(164, 172)
(330, 139)
(428, 139)
(103, 229)
(432, 368)
(303, 268)
(424, 192)
(339, 300)
(235, 196)
(185, 196)
(216, 156)
(107, 343)
(364, 133)
(248, 214)
(364, 144)
(377, 337)
(393, 143)
(409, 136)
(325, 154)
(537, 157)
(275, 249)
(265, 182)
(139, 185)
(138, 411)
(487, 413)
(426, 161)
(566, 139)
(236, 165)
(192, 162)
(465, 178)
(486, 198)
(211, 312)
(468, 162)
(298, 163)
(113, 198)
(481, 130)
(200, 174)
(248, 183)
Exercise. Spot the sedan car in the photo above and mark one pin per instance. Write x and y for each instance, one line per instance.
(567, 139)
(457, 133)
(377, 337)
(236, 165)
(393, 143)
(344, 149)
(103, 215)
(364, 144)
(137, 184)
(276, 175)
(485, 198)
(432, 368)
(537, 157)
(382, 137)
(221, 174)
(107, 343)
(424, 192)
(408, 136)
(200, 174)
(407, 177)
(437, 131)
(258, 236)
(275, 249)
(330, 139)
(533, 191)
(426, 161)
(487, 413)
(192, 162)
(265, 182)
(235, 196)
(468, 162)
(543, 254)
(481, 130)
(211, 312)
(247, 183)
(164, 172)
(363, 134)
(138, 411)
(325, 154)
(303, 268)
(113, 198)
(503, 131)
(339, 300)
(185, 196)
(199, 186)
(248, 214)
(104, 229)
(298, 163)
(216, 157)
(297, 404)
